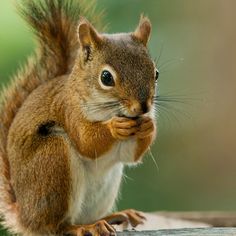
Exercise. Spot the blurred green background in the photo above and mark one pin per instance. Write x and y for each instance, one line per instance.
(196, 146)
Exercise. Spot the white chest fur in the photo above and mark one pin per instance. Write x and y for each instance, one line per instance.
(95, 183)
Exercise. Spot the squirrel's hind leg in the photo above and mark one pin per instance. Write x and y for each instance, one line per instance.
(41, 181)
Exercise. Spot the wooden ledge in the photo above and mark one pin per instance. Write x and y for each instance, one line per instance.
(183, 232)
(184, 224)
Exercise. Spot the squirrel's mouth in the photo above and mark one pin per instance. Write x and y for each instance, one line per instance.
(133, 116)
(129, 116)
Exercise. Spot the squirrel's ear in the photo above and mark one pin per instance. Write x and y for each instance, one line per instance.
(89, 38)
(143, 31)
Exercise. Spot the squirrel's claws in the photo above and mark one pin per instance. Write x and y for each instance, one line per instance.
(122, 128)
(130, 216)
(100, 228)
(146, 128)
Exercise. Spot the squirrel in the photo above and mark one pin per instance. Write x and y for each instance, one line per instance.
(79, 111)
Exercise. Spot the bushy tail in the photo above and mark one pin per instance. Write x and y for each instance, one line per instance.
(54, 23)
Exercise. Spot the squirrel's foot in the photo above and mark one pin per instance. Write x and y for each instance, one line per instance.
(122, 127)
(146, 127)
(130, 216)
(100, 228)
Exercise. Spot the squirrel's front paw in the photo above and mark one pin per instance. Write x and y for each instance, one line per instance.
(122, 128)
(146, 127)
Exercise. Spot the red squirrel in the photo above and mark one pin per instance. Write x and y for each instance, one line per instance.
(79, 111)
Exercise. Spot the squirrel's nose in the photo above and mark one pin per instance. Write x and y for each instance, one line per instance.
(139, 108)
(144, 107)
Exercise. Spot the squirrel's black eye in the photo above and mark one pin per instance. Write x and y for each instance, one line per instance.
(157, 75)
(107, 78)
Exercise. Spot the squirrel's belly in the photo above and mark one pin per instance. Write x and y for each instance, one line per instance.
(100, 194)
(96, 183)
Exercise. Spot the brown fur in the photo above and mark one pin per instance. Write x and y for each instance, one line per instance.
(44, 116)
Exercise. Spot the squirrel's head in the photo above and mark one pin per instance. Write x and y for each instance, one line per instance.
(114, 74)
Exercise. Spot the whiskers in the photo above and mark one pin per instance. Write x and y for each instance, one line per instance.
(101, 109)
(153, 158)
(161, 66)
(172, 107)
(174, 61)
(126, 178)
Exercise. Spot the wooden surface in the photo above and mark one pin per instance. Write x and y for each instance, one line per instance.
(158, 222)
(184, 224)
(183, 232)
